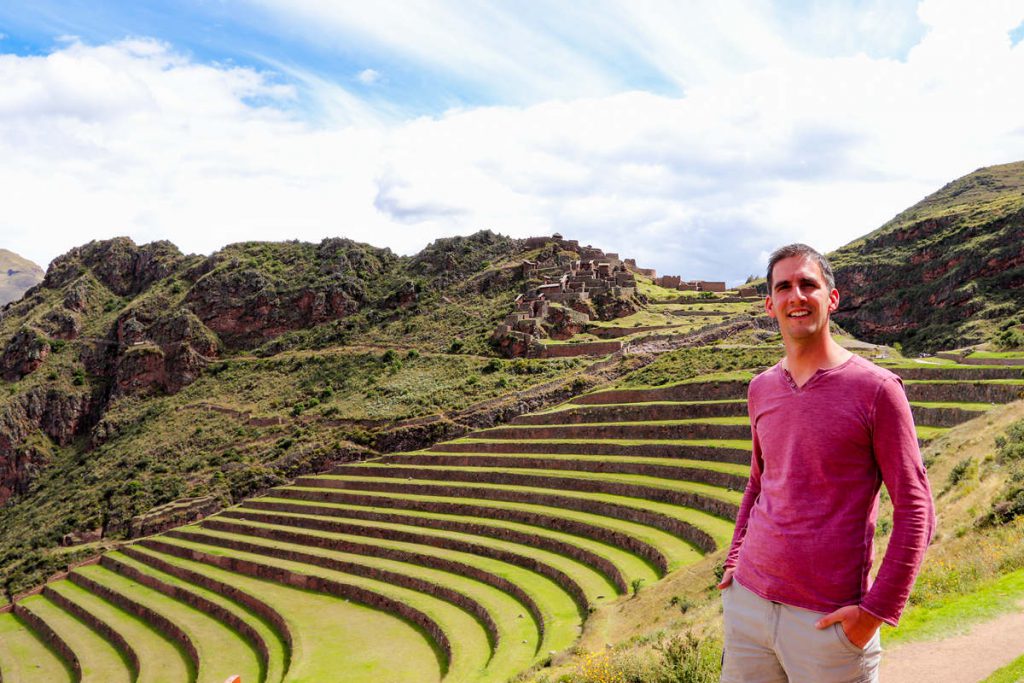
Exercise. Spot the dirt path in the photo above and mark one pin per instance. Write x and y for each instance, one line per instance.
(966, 658)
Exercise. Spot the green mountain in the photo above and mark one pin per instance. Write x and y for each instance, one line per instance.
(947, 272)
(17, 276)
(135, 375)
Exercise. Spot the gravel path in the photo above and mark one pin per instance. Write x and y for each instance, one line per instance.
(967, 658)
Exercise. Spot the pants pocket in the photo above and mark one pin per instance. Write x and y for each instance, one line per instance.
(845, 640)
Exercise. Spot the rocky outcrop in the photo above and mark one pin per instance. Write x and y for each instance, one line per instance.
(165, 354)
(122, 266)
(246, 308)
(49, 411)
(24, 352)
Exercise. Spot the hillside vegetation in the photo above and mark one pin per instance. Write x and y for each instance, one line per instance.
(551, 511)
(947, 272)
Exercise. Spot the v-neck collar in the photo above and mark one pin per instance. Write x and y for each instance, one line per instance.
(787, 378)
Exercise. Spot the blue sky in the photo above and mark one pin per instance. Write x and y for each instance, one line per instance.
(695, 136)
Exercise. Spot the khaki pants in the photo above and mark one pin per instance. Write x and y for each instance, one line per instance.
(768, 642)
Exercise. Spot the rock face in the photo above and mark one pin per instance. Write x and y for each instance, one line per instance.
(17, 276)
(122, 266)
(24, 352)
(49, 412)
(945, 273)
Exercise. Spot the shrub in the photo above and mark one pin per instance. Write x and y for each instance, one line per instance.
(1010, 447)
(959, 472)
(636, 584)
(456, 346)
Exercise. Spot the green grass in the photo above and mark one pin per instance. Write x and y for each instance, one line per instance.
(744, 444)
(274, 644)
(728, 467)
(589, 579)
(24, 658)
(556, 605)
(678, 551)
(996, 354)
(222, 651)
(730, 420)
(329, 633)
(470, 649)
(929, 433)
(160, 660)
(100, 662)
(1011, 673)
(581, 406)
(630, 565)
(632, 479)
(981, 407)
(955, 613)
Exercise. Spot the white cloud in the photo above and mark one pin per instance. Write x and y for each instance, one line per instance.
(368, 76)
(770, 147)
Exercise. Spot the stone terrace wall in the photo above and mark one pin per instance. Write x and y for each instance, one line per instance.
(101, 627)
(965, 392)
(204, 605)
(320, 585)
(158, 621)
(649, 430)
(51, 638)
(494, 580)
(698, 474)
(581, 349)
(634, 412)
(456, 598)
(698, 391)
(262, 609)
(734, 455)
(615, 511)
(554, 545)
(569, 526)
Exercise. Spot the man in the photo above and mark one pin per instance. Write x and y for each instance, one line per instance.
(828, 429)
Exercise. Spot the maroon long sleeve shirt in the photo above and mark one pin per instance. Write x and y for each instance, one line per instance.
(805, 529)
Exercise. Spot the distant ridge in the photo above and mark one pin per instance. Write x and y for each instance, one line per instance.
(945, 273)
(17, 275)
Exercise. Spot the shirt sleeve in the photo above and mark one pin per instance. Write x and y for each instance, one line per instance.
(894, 440)
(750, 495)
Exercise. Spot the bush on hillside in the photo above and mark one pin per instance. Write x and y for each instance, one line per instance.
(681, 658)
(1009, 452)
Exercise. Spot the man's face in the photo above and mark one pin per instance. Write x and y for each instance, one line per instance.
(800, 299)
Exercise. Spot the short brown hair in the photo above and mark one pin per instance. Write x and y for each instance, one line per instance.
(798, 249)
